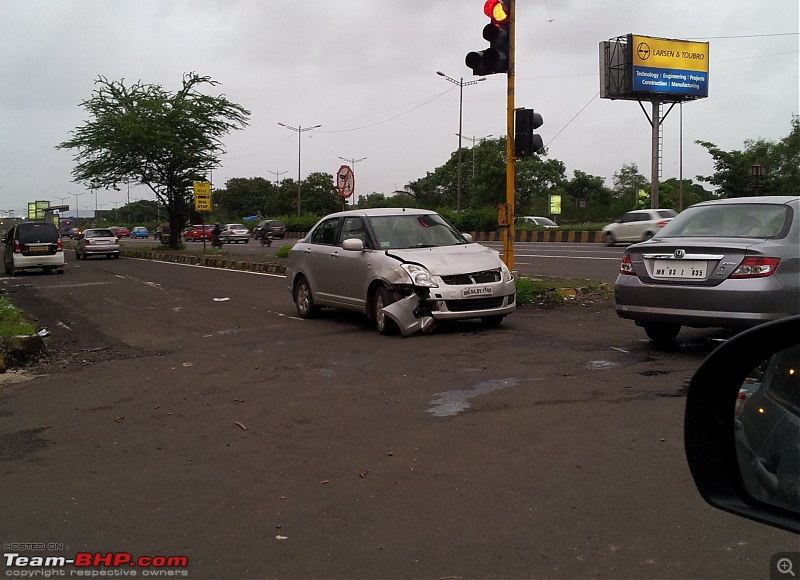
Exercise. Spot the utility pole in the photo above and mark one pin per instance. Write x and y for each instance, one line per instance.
(299, 130)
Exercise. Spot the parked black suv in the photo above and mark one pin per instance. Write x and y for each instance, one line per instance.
(274, 227)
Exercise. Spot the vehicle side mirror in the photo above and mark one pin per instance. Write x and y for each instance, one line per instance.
(468, 237)
(353, 245)
(742, 425)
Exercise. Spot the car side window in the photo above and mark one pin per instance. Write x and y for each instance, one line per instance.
(353, 227)
(325, 232)
(628, 217)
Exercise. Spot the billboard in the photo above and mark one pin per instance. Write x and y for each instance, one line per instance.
(675, 67)
(36, 209)
(637, 67)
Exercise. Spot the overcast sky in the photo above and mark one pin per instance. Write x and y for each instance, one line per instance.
(366, 72)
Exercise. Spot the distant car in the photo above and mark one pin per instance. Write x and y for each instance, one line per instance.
(70, 233)
(637, 226)
(538, 221)
(121, 231)
(234, 233)
(140, 232)
(33, 245)
(197, 233)
(403, 268)
(97, 242)
(730, 263)
(274, 227)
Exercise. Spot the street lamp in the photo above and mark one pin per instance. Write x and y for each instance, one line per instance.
(299, 130)
(461, 84)
(352, 163)
(277, 174)
(474, 140)
(77, 211)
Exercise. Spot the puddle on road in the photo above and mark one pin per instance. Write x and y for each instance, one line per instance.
(451, 403)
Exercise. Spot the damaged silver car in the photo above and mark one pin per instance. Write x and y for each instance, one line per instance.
(406, 269)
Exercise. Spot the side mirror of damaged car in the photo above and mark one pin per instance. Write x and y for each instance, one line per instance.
(353, 245)
(468, 237)
(742, 425)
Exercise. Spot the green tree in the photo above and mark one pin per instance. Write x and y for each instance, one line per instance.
(319, 194)
(588, 199)
(778, 164)
(163, 140)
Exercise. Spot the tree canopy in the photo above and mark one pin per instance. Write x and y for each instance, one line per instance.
(145, 134)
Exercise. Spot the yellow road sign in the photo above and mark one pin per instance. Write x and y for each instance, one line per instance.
(202, 196)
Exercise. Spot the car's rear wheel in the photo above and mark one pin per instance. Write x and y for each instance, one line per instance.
(662, 333)
(384, 324)
(303, 300)
(609, 239)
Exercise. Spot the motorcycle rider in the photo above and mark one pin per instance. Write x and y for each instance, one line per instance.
(215, 235)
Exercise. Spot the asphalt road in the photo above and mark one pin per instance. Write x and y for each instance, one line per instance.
(561, 260)
(188, 412)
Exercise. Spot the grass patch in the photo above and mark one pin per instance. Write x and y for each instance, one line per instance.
(555, 290)
(283, 252)
(12, 321)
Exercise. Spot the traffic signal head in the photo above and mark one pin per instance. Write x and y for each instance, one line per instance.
(526, 142)
(494, 59)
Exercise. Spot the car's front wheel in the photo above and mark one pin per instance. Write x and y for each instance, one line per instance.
(662, 333)
(303, 300)
(608, 239)
(384, 324)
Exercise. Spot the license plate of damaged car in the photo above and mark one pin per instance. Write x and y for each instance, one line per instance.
(473, 292)
(680, 269)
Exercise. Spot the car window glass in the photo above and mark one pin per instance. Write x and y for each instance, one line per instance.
(729, 220)
(99, 234)
(325, 233)
(628, 217)
(353, 227)
(414, 231)
(37, 233)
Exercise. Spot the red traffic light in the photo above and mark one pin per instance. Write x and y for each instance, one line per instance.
(496, 10)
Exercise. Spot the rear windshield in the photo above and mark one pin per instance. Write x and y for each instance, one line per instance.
(101, 233)
(744, 220)
(37, 233)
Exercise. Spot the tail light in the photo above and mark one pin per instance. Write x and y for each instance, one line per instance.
(17, 248)
(59, 247)
(756, 267)
(626, 267)
(662, 223)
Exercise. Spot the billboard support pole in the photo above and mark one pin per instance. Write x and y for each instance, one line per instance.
(656, 146)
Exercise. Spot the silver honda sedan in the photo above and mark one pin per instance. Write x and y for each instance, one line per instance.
(729, 263)
(406, 269)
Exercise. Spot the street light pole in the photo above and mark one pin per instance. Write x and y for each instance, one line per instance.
(299, 130)
(77, 211)
(474, 140)
(352, 163)
(461, 84)
(277, 174)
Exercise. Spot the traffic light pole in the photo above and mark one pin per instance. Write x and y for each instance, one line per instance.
(508, 231)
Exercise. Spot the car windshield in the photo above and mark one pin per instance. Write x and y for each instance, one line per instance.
(414, 231)
(105, 233)
(744, 220)
(237, 227)
(545, 222)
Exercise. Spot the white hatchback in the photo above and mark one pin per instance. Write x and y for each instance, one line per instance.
(637, 226)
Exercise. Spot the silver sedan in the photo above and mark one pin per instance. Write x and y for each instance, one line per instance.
(97, 242)
(730, 263)
(406, 269)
